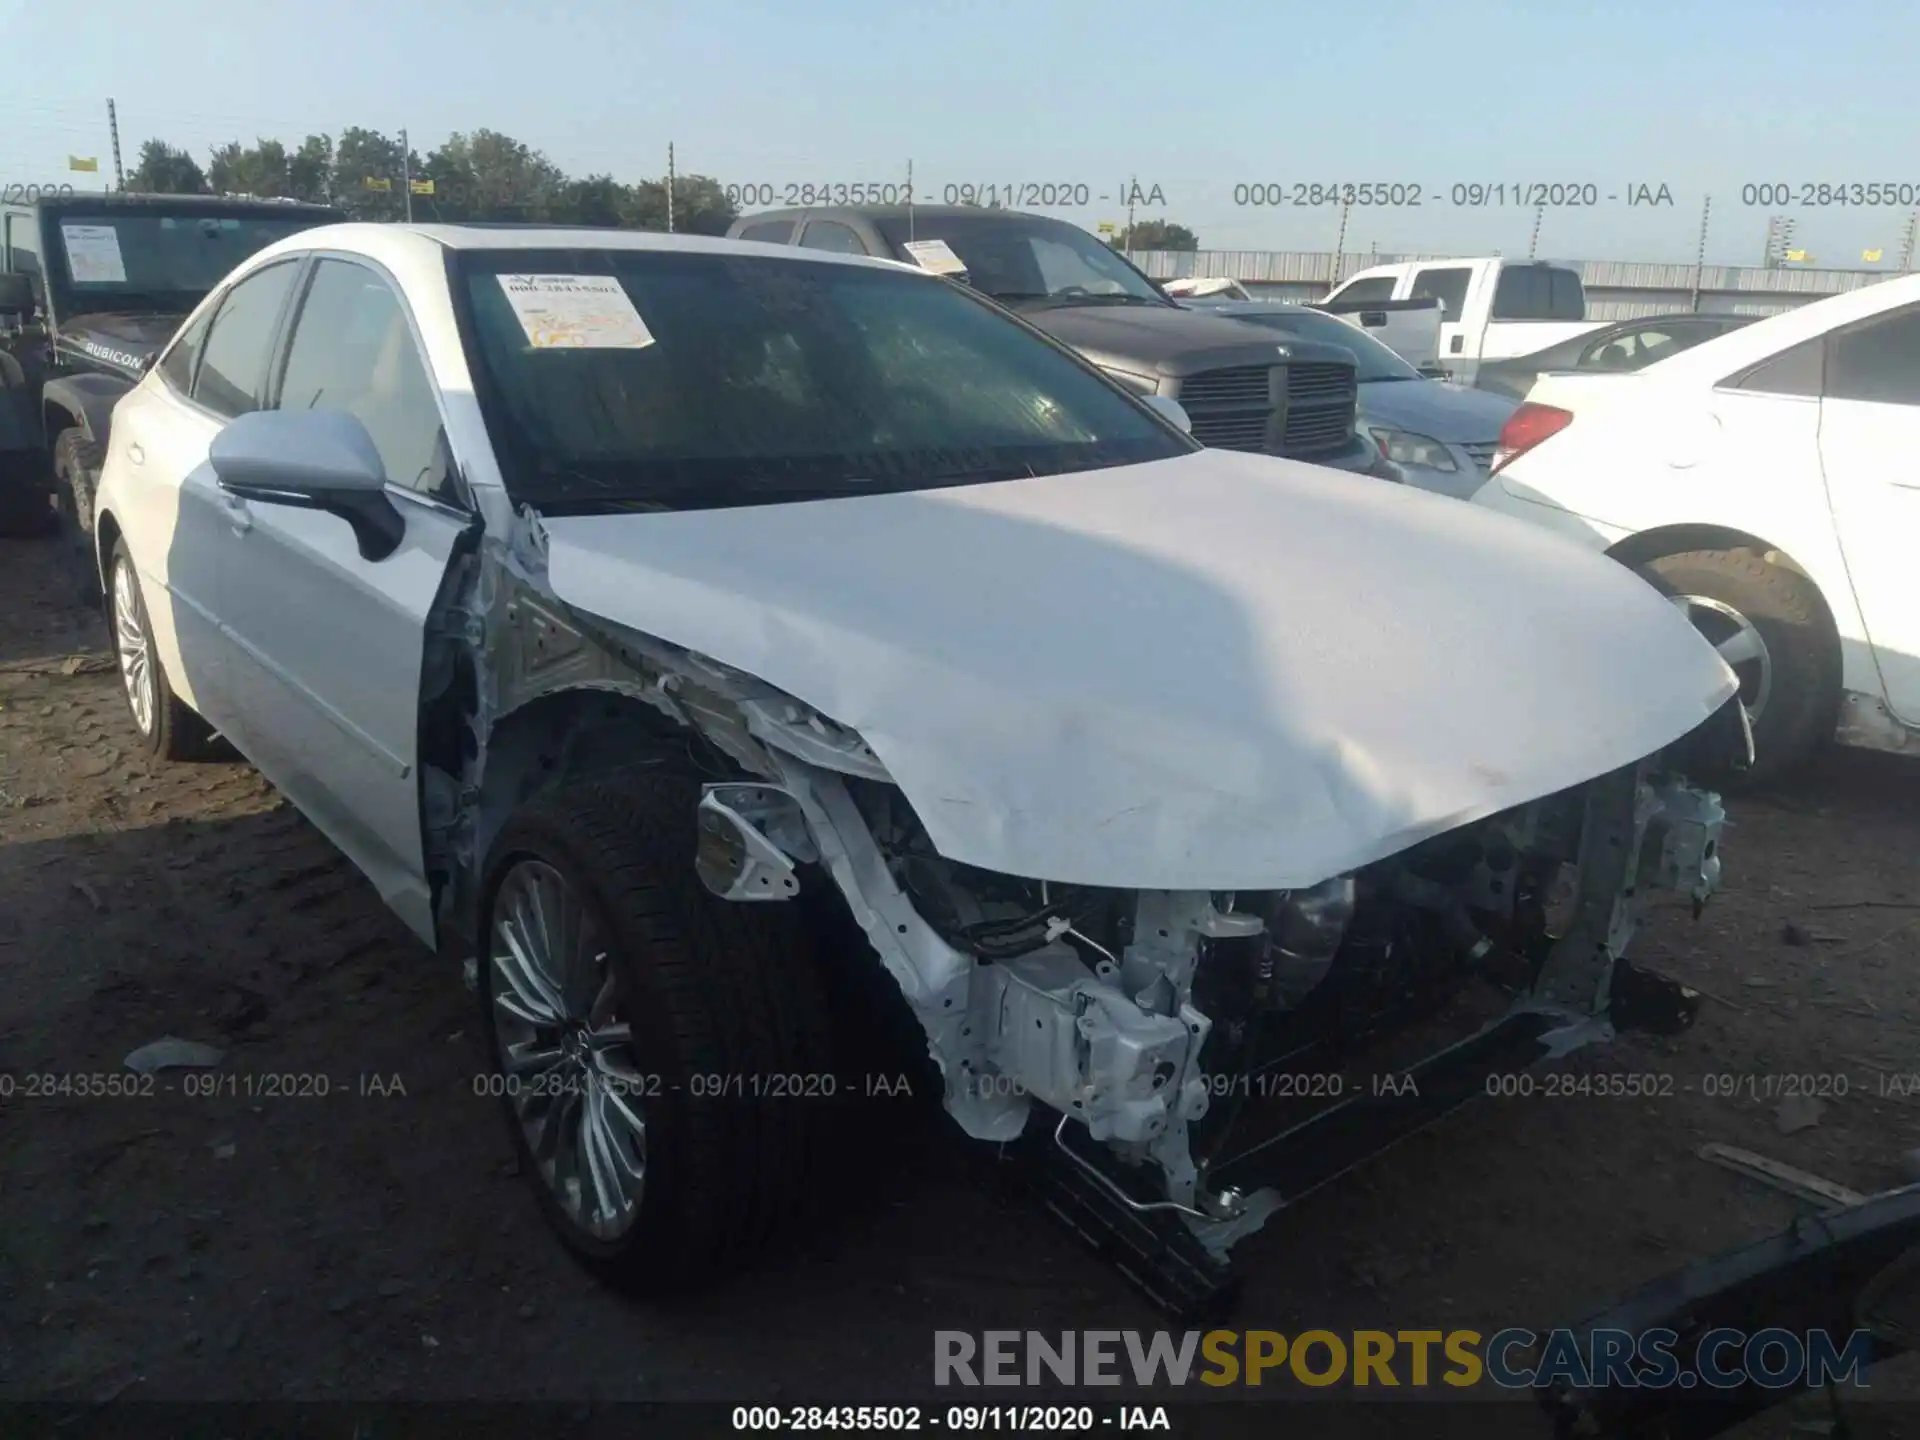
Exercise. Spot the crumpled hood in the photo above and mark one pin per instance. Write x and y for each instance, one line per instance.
(1219, 671)
(1452, 414)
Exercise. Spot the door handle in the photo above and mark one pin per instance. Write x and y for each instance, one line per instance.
(136, 454)
(238, 513)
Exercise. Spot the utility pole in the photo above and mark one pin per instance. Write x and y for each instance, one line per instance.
(1700, 255)
(909, 198)
(1906, 241)
(1533, 241)
(1340, 243)
(1779, 240)
(113, 129)
(670, 179)
(406, 174)
(1133, 188)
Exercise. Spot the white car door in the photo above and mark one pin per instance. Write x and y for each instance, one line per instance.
(1870, 453)
(330, 641)
(174, 516)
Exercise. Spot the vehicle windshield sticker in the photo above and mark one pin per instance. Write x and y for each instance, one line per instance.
(93, 255)
(575, 312)
(935, 256)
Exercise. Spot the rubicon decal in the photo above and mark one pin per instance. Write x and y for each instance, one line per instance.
(111, 355)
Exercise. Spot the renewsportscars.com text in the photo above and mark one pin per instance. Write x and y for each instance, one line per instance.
(1510, 1359)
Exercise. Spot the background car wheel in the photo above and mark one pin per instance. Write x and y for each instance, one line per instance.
(168, 726)
(1772, 627)
(76, 477)
(664, 1054)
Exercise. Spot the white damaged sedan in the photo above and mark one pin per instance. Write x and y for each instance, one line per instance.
(679, 627)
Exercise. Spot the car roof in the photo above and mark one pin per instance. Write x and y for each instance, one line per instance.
(1711, 361)
(142, 200)
(385, 241)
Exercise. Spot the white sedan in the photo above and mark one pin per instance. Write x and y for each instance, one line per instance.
(1767, 479)
(647, 615)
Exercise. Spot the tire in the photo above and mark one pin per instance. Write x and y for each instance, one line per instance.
(725, 1011)
(76, 479)
(172, 730)
(1797, 683)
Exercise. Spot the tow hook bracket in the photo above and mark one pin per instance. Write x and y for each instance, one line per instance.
(1643, 1000)
(733, 855)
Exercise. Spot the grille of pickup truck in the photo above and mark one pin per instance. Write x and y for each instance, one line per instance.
(1233, 408)
(1320, 408)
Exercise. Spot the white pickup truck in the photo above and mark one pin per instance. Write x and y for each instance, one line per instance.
(1493, 308)
(1409, 328)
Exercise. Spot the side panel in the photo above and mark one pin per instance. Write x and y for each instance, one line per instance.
(1869, 454)
(158, 488)
(327, 651)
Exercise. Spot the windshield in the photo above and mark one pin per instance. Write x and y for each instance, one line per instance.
(1372, 360)
(1022, 259)
(123, 261)
(682, 380)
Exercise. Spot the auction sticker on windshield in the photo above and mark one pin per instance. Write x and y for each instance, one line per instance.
(93, 254)
(575, 312)
(935, 256)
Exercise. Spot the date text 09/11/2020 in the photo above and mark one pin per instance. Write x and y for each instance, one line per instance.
(1466, 195)
(984, 194)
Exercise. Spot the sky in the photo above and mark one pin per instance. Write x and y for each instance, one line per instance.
(1702, 97)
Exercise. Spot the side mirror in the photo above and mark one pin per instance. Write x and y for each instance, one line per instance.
(312, 460)
(1172, 411)
(16, 296)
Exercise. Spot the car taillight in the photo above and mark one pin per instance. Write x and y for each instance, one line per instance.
(1526, 428)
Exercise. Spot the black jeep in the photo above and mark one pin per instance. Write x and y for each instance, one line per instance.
(91, 288)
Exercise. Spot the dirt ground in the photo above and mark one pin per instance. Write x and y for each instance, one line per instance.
(375, 1243)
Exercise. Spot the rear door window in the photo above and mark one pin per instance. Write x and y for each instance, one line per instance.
(1447, 284)
(769, 232)
(1373, 288)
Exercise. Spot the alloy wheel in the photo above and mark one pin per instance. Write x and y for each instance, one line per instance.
(565, 1049)
(133, 646)
(1740, 644)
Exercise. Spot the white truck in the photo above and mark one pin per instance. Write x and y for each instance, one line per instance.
(1409, 328)
(1492, 308)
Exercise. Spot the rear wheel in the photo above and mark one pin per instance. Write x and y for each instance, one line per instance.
(76, 479)
(168, 726)
(1770, 625)
(662, 1055)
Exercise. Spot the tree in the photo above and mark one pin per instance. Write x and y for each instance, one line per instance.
(700, 206)
(310, 169)
(362, 155)
(596, 200)
(259, 171)
(490, 176)
(1156, 235)
(476, 176)
(163, 170)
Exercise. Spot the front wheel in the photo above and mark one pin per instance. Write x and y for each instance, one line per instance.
(661, 1054)
(1770, 625)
